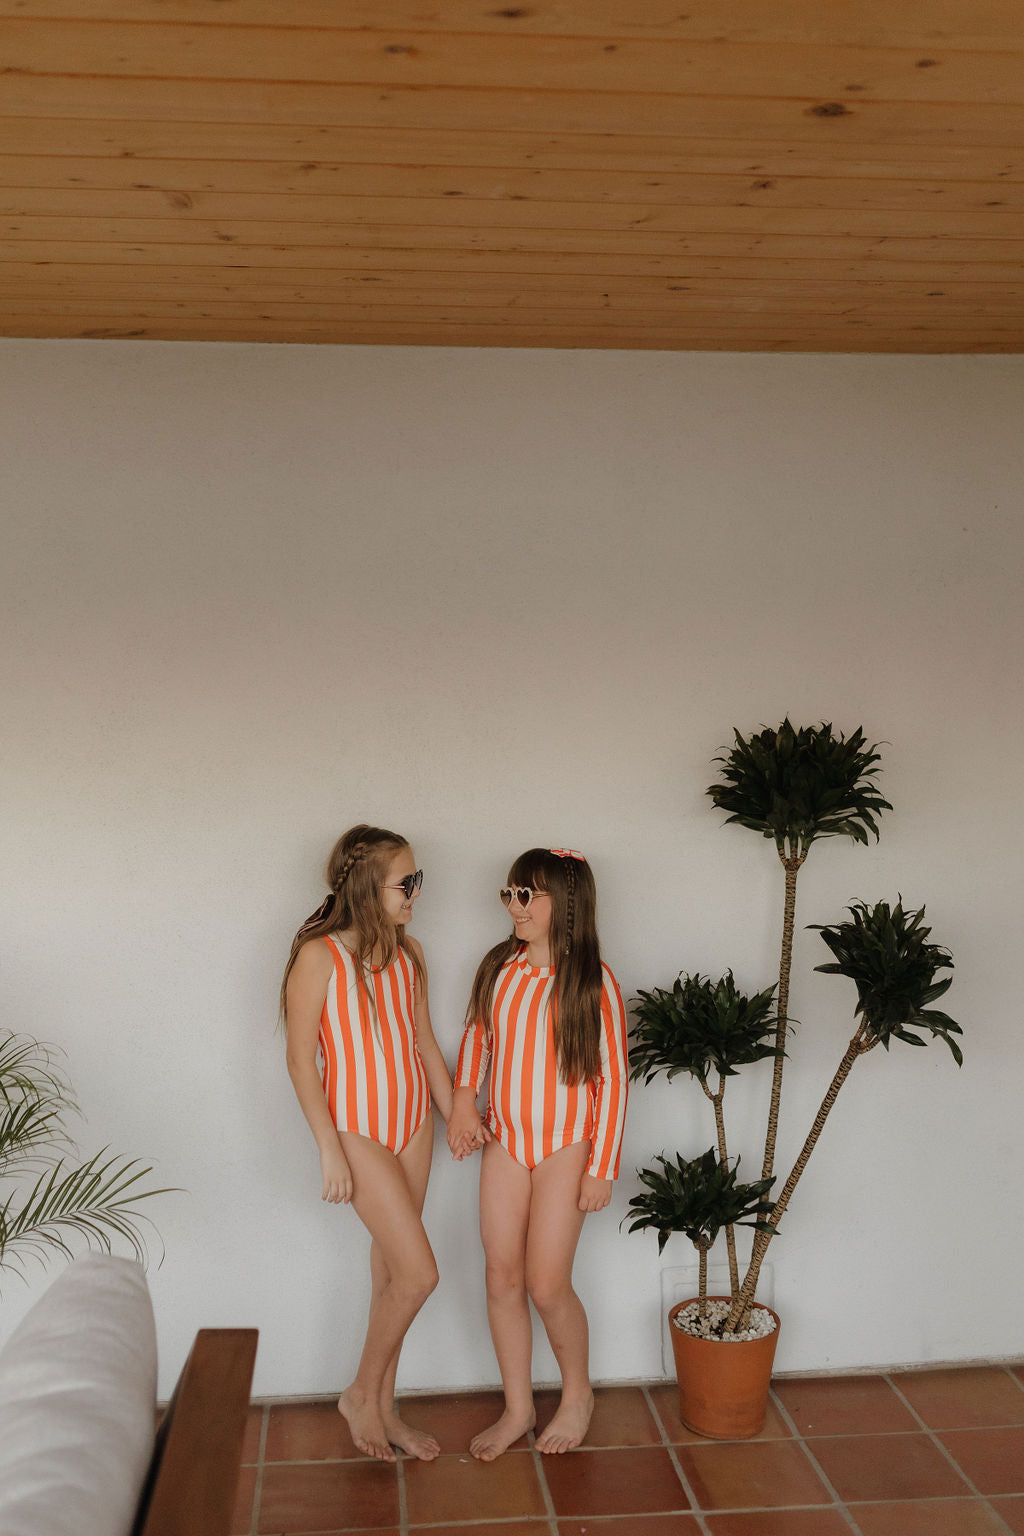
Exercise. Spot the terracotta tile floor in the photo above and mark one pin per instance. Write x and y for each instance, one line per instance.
(912, 1453)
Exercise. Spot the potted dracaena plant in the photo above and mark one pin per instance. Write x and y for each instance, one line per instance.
(49, 1199)
(795, 786)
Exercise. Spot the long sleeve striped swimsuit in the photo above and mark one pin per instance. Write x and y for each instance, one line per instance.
(373, 1075)
(530, 1111)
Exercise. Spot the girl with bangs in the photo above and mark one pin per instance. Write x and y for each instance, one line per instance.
(548, 1017)
(364, 1064)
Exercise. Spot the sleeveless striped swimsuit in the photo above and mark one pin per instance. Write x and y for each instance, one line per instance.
(373, 1075)
(530, 1110)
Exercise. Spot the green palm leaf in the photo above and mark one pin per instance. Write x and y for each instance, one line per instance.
(95, 1201)
(34, 1098)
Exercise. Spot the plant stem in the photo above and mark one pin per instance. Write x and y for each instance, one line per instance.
(702, 1280)
(730, 1231)
(791, 864)
(741, 1306)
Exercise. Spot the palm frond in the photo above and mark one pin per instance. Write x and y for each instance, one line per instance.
(28, 1069)
(25, 1130)
(35, 1098)
(95, 1201)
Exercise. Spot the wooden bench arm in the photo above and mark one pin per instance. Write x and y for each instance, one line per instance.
(192, 1481)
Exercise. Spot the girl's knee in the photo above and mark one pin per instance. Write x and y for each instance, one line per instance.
(428, 1279)
(504, 1280)
(415, 1285)
(549, 1291)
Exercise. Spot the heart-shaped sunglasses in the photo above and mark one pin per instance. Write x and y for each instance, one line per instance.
(523, 894)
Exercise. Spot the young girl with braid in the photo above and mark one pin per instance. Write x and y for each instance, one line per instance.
(364, 1063)
(549, 1018)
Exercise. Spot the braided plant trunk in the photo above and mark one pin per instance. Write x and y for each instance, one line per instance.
(791, 863)
(742, 1303)
(702, 1246)
(730, 1231)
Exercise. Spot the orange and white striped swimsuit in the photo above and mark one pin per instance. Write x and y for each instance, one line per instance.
(531, 1112)
(374, 1079)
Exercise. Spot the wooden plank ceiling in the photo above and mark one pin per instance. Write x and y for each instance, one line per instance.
(781, 175)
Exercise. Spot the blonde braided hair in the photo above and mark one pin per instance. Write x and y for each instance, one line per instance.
(355, 872)
(347, 864)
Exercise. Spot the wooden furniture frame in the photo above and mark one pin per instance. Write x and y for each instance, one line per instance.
(193, 1477)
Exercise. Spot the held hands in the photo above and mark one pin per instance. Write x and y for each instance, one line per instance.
(466, 1130)
(336, 1175)
(594, 1193)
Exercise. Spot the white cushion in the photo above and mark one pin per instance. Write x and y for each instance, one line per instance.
(77, 1400)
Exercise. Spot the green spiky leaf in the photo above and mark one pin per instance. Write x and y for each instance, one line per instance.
(796, 786)
(886, 952)
(697, 1196)
(701, 1025)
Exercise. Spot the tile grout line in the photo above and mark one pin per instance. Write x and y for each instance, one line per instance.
(470, 1526)
(538, 1467)
(674, 1459)
(840, 1507)
(403, 1503)
(933, 1436)
(257, 1490)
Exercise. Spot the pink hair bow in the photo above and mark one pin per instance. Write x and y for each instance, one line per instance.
(568, 853)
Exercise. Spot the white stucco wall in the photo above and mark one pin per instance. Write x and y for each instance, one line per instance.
(250, 595)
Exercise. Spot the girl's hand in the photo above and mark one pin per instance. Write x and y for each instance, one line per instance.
(594, 1193)
(466, 1130)
(336, 1175)
(461, 1145)
(469, 1141)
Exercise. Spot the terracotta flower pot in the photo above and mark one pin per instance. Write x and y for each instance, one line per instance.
(723, 1388)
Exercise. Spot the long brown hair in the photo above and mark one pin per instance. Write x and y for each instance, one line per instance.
(575, 960)
(355, 873)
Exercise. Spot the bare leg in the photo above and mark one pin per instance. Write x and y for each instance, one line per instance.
(384, 1203)
(415, 1163)
(555, 1225)
(504, 1218)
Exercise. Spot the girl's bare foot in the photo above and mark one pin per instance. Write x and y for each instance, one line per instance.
(365, 1424)
(491, 1443)
(568, 1427)
(413, 1441)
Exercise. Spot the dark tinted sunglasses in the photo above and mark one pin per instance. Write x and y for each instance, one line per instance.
(410, 884)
